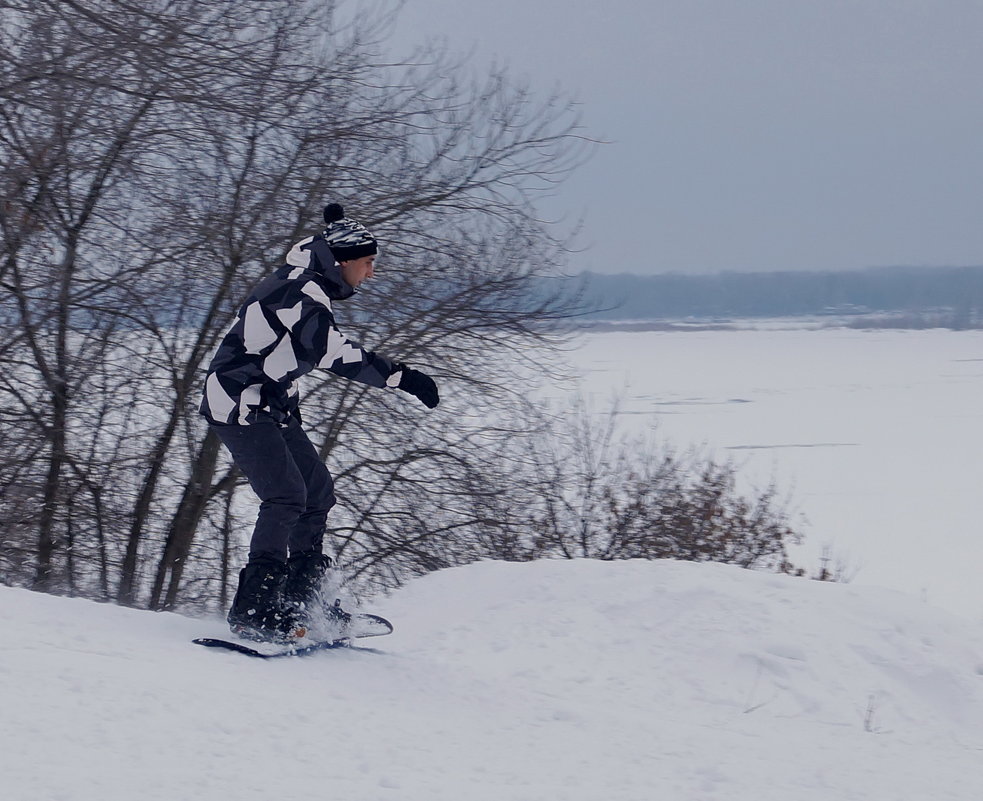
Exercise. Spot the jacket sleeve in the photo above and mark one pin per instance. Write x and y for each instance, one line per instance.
(317, 342)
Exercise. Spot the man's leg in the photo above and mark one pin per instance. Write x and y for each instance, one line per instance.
(308, 532)
(259, 609)
(261, 452)
(308, 565)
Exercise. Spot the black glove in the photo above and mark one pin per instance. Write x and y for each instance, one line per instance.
(419, 384)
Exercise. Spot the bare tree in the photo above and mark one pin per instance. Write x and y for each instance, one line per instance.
(160, 157)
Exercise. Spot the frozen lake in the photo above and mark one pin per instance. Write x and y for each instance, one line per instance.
(877, 435)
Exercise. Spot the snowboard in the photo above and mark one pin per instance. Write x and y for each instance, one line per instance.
(362, 625)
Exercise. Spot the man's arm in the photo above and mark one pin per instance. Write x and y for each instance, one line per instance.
(318, 343)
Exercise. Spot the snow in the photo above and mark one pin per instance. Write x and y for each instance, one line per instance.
(577, 680)
(589, 681)
(875, 435)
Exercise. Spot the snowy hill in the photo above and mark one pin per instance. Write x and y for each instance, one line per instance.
(550, 680)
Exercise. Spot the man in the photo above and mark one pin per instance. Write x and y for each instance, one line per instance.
(284, 330)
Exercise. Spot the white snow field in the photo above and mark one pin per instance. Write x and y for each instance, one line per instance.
(877, 435)
(544, 681)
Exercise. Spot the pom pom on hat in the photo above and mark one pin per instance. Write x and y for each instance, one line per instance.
(333, 212)
(347, 238)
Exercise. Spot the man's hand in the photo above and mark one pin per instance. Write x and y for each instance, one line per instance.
(420, 385)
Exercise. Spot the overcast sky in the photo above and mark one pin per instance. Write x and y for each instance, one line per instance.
(754, 134)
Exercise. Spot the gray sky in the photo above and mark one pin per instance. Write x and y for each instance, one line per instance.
(753, 134)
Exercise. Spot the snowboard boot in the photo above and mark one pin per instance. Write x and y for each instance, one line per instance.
(259, 611)
(304, 593)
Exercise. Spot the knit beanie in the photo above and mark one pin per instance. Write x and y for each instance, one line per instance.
(346, 237)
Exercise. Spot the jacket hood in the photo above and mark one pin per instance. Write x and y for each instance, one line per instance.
(336, 287)
(313, 254)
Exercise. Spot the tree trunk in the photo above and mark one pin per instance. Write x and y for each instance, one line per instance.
(181, 533)
(127, 591)
(44, 574)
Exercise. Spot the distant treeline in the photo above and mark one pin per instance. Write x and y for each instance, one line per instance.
(951, 294)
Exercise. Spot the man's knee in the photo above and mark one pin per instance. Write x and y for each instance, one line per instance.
(320, 491)
(289, 496)
(321, 499)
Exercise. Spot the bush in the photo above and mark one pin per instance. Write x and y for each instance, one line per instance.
(586, 492)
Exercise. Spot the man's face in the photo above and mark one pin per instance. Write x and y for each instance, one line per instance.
(357, 270)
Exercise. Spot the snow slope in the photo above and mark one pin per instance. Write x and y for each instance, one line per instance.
(548, 680)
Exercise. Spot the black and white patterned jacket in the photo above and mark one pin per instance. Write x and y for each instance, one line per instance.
(283, 331)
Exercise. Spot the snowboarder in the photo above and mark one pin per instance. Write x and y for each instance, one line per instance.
(284, 330)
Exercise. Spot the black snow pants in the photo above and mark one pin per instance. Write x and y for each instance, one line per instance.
(294, 487)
